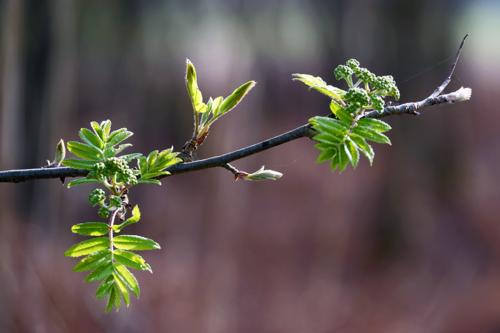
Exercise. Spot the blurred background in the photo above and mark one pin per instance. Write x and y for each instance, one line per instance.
(411, 244)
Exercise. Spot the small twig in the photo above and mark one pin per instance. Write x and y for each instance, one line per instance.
(238, 174)
(445, 83)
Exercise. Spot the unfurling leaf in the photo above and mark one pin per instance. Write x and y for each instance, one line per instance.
(234, 99)
(136, 216)
(192, 88)
(60, 153)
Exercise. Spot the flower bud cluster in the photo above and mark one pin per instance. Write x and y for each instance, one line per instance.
(118, 168)
(371, 96)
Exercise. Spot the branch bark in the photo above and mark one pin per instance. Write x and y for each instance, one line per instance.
(412, 108)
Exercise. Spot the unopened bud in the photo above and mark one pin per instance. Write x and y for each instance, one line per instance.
(60, 153)
(461, 95)
(263, 174)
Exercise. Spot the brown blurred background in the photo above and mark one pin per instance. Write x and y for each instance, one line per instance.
(411, 244)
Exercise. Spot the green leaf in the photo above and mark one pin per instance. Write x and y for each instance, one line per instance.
(192, 88)
(100, 273)
(81, 181)
(371, 135)
(128, 278)
(92, 261)
(341, 114)
(374, 124)
(326, 154)
(352, 152)
(90, 138)
(84, 151)
(97, 129)
(90, 229)
(105, 287)
(363, 146)
(318, 84)
(133, 242)
(155, 163)
(121, 148)
(79, 164)
(215, 106)
(122, 288)
(87, 247)
(328, 138)
(113, 299)
(343, 159)
(329, 125)
(234, 99)
(118, 136)
(149, 181)
(106, 128)
(132, 260)
(136, 216)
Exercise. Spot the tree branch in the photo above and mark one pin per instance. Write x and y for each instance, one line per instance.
(460, 95)
(21, 175)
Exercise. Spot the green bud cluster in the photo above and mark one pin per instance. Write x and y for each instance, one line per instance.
(97, 197)
(118, 168)
(357, 97)
(375, 88)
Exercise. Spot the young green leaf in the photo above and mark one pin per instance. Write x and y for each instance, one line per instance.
(128, 278)
(132, 260)
(118, 136)
(91, 138)
(371, 135)
(79, 164)
(374, 124)
(363, 146)
(234, 99)
(84, 151)
(87, 247)
(352, 152)
(133, 242)
(192, 88)
(92, 261)
(122, 288)
(136, 216)
(90, 229)
(97, 129)
(105, 287)
(114, 300)
(318, 84)
(81, 181)
(100, 273)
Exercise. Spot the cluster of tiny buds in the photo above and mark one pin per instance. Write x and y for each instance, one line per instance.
(374, 87)
(118, 167)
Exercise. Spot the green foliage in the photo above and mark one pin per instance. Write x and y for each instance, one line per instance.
(346, 134)
(205, 114)
(106, 256)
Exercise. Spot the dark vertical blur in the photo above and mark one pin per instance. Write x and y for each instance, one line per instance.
(408, 245)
